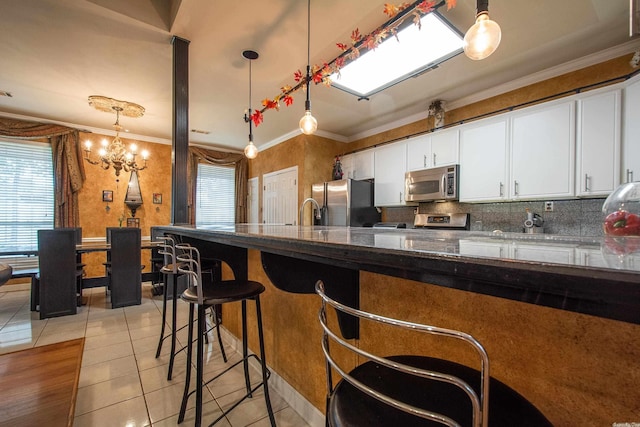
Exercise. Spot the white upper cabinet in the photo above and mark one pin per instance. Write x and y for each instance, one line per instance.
(483, 160)
(363, 164)
(358, 165)
(598, 144)
(432, 150)
(631, 133)
(390, 167)
(444, 147)
(543, 151)
(419, 152)
(346, 162)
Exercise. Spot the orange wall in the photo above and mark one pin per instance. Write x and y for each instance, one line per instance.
(95, 218)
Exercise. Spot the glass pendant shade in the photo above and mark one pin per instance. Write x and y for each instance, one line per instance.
(308, 123)
(251, 151)
(483, 38)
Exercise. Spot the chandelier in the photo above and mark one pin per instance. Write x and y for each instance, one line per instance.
(114, 154)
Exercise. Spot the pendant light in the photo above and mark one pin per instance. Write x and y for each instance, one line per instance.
(251, 151)
(308, 123)
(483, 38)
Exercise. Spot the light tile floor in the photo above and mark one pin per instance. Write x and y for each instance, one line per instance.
(121, 382)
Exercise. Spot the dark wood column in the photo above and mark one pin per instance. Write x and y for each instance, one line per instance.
(180, 143)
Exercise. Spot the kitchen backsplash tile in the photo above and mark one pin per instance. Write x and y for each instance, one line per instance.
(581, 217)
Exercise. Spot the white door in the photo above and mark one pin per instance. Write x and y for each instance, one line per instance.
(280, 197)
(419, 153)
(253, 201)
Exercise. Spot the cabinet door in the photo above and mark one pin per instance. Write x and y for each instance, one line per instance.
(419, 153)
(542, 253)
(631, 133)
(483, 161)
(444, 148)
(598, 144)
(543, 151)
(483, 249)
(347, 166)
(363, 164)
(390, 167)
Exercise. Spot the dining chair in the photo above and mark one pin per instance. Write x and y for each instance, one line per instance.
(124, 270)
(413, 389)
(55, 285)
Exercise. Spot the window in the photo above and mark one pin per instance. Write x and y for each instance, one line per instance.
(417, 51)
(26, 198)
(215, 195)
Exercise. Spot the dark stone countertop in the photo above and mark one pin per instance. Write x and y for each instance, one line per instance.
(588, 275)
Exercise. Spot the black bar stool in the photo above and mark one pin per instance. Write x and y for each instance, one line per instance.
(205, 295)
(415, 390)
(170, 271)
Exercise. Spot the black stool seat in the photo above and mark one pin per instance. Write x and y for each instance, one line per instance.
(225, 291)
(348, 406)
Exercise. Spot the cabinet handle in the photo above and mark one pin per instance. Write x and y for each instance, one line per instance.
(501, 189)
(629, 175)
(425, 161)
(400, 197)
(434, 159)
(586, 182)
(516, 190)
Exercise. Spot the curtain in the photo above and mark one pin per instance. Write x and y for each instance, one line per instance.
(68, 168)
(201, 155)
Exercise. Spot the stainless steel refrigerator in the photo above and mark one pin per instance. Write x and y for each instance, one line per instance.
(345, 202)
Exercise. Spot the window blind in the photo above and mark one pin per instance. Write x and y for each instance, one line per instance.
(215, 195)
(26, 197)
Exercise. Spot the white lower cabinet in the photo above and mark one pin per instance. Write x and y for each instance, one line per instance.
(483, 249)
(523, 251)
(543, 253)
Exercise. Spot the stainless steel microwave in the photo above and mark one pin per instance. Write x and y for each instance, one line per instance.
(432, 184)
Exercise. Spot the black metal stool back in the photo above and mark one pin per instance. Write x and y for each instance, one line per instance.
(415, 390)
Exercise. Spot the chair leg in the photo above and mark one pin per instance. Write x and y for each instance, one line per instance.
(245, 351)
(263, 363)
(164, 318)
(174, 321)
(185, 395)
(200, 363)
(217, 320)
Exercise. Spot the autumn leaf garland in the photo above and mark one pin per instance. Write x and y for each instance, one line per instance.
(359, 43)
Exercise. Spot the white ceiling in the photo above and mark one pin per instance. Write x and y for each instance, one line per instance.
(56, 53)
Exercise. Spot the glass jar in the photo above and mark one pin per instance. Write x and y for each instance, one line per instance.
(621, 246)
(622, 211)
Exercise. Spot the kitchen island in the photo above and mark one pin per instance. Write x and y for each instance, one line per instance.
(559, 315)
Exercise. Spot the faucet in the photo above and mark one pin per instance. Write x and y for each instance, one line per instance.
(317, 216)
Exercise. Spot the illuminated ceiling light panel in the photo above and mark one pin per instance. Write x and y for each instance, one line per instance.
(394, 61)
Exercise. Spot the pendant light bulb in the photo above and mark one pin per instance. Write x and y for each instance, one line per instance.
(483, 38)
(251, 151)
(308, 123)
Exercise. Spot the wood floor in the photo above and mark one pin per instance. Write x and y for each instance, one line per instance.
(38, 386)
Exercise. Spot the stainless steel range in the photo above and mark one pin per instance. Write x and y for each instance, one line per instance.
(448, 221)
